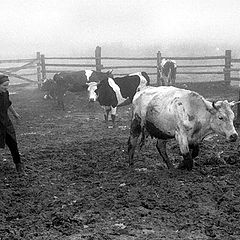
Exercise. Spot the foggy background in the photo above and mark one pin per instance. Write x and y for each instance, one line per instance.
(121, 28)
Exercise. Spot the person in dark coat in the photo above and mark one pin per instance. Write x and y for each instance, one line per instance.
(7, 131)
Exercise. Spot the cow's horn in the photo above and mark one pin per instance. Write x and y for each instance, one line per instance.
(208, 104)
(216, 105)
(234, 103)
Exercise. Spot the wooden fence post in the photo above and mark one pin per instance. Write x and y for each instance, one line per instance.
(39, 80)
(44, 75)
(227, 72)
(237, 119)
(98, 58)
(159, 68)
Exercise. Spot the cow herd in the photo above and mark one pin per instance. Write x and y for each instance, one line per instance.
(163, 112)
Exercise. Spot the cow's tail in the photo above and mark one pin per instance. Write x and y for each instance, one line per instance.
(145, 75)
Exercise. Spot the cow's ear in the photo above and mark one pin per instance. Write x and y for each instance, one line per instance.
(109, 73)
(217, 104)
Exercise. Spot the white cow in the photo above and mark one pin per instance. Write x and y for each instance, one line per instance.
(168, 112)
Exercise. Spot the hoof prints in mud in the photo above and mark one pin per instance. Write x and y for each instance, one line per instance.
(79, 185)
(88, 187)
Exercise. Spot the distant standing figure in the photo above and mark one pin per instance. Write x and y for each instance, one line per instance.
(7, 131)
(169, 71)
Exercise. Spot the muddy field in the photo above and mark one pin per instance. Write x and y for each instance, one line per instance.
(79, 185)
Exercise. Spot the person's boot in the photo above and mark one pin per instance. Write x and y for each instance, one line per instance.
(20, 168)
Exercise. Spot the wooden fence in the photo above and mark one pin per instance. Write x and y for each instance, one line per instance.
(224, 68)
(19, 68)
(43, 66)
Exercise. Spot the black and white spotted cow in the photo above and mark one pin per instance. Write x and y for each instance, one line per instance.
(72, 82)
(115, 92)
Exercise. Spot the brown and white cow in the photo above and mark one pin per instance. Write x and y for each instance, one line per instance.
(115, 92)
(167, 112)
(169, 71)
(72, 82)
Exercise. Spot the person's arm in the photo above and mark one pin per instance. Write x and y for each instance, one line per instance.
(13, 111)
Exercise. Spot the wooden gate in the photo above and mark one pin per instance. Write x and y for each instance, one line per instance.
(23, 69)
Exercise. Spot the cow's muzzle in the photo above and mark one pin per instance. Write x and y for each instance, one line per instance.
(233, 137)
(91, 100)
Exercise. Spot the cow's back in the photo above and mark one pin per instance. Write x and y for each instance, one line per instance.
(142, 79)
(172, 109)
(77, 78)
(74, 81)
(128, 85)
(141, 101)
(166, 102)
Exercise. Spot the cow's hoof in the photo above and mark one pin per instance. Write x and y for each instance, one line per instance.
(185, 166)
(170, 167)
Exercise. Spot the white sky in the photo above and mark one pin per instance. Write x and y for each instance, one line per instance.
(67, 26)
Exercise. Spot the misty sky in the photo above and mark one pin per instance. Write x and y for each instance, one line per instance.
(67, 26)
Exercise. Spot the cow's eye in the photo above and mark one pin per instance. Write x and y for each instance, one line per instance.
(220, 117)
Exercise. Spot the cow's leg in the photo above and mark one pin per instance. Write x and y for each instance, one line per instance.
(187, 162)
(194, 148)
(143, 138)
(106, 113)
(161, 147)
(169, 77)
(173, 79)
(60, 103)
(163, 81)
(135, 131)
(161, 78)
(113, 117)
(113, 114)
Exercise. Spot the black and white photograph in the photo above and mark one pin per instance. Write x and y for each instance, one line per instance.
(119, 120)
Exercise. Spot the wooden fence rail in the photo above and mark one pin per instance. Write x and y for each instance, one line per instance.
(42, 66)
(225, 66)
(13, 71)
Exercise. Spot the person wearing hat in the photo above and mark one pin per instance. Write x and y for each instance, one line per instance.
(7, 131)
